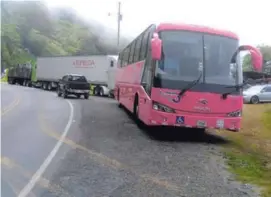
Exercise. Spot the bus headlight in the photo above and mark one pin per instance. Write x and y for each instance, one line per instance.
(159, 107)
(237, 113)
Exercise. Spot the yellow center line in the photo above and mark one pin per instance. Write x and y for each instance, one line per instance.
(44, 183)
(10, 106)
(104, 160)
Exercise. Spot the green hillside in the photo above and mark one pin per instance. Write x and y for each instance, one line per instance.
(29, 29)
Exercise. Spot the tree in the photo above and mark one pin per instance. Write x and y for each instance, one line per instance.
(29, 30)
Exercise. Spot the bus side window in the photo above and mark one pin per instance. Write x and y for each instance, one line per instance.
(131, 54)
(137, 49)
(119, 62)
(125, 56)
(144, 48)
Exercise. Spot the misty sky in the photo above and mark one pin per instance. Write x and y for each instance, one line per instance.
(249, 19)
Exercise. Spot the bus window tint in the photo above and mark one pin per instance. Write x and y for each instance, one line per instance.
(131, 55)
(137, 49)
(145, 46)
(182, 55)
(125, 56)
(218, 54)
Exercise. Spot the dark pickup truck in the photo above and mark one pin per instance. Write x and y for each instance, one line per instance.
(73, 84)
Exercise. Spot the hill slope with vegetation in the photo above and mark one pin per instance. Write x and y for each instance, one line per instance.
(29, 29)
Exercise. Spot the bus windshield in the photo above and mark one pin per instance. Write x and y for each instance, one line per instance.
(186, 54)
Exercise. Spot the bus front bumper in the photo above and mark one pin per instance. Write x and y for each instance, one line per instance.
(194, 121)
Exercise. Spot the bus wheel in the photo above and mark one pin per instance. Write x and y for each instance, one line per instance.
(139, 123)
(135, 111)
(118, 98)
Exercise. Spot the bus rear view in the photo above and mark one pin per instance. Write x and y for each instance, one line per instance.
(190, 76)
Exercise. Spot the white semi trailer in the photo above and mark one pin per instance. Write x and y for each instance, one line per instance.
(99, 70)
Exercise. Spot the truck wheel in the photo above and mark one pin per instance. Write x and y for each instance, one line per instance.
(44, 86)
(65, 95)
(58, 92)
(78, 96)
(49, 87)
(101, 93)
(96, 93)
(86, 96)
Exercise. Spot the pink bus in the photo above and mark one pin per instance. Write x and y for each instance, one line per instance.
(184, 75)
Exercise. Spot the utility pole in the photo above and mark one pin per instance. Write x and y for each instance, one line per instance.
(119, 18)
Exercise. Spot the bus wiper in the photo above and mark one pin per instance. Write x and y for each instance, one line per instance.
(188, 87)
(237, 88)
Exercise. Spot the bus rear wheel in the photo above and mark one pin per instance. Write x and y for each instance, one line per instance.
(118, 98)
(139, 123)
(135, 110)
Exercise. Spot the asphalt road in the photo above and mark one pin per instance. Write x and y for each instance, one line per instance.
(74, 147)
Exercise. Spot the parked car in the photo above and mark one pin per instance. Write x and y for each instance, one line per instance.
(73, 84)
(257, 94)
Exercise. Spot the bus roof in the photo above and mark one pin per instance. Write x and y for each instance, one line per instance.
(195, 28)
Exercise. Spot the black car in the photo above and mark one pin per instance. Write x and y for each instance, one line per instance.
(73, 84)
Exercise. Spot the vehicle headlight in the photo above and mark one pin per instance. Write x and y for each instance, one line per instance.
(163, 108)
(237, 113)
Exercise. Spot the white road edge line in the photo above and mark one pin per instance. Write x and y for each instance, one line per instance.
(35, 178)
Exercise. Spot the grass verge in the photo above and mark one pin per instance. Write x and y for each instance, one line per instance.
(249, 154)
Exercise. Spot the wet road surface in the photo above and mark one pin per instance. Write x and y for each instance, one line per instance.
(103, 152)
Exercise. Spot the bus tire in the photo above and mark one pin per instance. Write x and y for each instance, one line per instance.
(136, 108)
(139, 123)
(118, 98)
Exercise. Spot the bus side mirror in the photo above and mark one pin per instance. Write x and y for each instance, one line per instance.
(257, 60)
(156, 47)
(256, 56)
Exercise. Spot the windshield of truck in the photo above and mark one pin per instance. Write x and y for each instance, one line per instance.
(186, 54)
(78, 78)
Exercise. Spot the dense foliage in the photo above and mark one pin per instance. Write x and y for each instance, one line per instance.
(29, 29)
